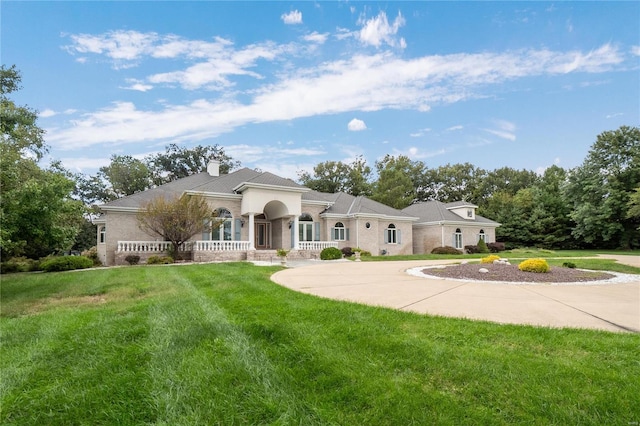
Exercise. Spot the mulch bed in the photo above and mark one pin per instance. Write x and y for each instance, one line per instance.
(511, 273)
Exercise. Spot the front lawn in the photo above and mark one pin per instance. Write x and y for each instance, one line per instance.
(222, 344)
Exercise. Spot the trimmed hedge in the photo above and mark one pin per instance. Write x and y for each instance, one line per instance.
(331, 253)
(347, 251)
(66, 263)
(445, 250)
(159, 260)
(534, 265)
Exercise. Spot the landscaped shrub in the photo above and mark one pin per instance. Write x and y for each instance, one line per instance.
(19, 264)
(569, 265)
(347, 251)
(496, 247)
(66, 263)
(445, 250)
(362, 252)
(482, 247)
(534, 265)
(330, 253)
(489, 259)
(132, 259)
(470, 249)
(159, 260)
(92, 254)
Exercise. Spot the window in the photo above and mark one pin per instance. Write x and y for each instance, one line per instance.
(339, 232)
(367, 225)
(103, 234)
(482, 236)
(305, 227)
(470, 213)
(391, 236)
(457, 239)
(222, 232)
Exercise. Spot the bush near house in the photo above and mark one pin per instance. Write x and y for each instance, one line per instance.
(482, 247)
(19, 264)
(471, 249)
(65, 263)
(132, 259)
(159, 260)
(331, 253)
(347, 251)
(534, 265)
(92, 253)
(496, 247)
(445, 250)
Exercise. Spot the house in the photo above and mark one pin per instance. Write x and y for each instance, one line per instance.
(262, 212)
(448, 224)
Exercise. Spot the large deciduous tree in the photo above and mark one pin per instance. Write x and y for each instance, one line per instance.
(176, 219)
(179, 162)
(37, 213)
(600, 190)
(126, 175)
(398, 178)
(336, 176)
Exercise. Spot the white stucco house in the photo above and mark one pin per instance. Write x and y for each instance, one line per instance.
(263, 212)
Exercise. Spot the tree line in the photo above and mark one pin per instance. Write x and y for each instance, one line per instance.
(597, 204)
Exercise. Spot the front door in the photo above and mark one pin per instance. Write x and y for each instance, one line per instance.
(263, 236)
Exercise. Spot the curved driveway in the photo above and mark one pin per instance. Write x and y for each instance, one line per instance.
(613, 307)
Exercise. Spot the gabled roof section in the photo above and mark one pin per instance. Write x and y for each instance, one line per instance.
(458, 204)
(269, 179)
(350, 206)
(435, 211)
(171, 189)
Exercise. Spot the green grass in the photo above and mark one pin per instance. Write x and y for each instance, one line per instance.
(515, 254)
(222, 344)
(597, 265)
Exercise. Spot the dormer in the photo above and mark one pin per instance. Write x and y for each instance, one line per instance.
(463, 209)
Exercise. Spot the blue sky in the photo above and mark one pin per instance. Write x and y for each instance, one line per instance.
(283, 86)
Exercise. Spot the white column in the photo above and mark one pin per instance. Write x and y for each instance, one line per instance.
(252, 232)
(296, 237)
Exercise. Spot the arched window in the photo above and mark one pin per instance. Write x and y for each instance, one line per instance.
(339, 232)
(457, 239)
(482, 236)
(392, 234)
(305, 227)
(222, 232)
(103, 234)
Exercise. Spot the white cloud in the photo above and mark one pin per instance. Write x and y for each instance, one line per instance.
(47, 113)
(358, 83)
(292, 18)
(615, 114)
(377, 30)
(316, 37)
(635, 50)
(356, 125)
(454, 128)
(140, 87)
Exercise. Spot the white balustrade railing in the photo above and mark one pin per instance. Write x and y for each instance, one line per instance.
(163, 246)
(149, 246)
(316, 245)
(221, 245)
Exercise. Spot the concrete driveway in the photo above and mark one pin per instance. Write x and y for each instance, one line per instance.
(612, 307)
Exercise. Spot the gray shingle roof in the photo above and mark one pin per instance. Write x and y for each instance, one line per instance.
(350, 205)
(435, 211)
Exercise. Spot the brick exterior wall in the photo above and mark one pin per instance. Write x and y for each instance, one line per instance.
(426, 238)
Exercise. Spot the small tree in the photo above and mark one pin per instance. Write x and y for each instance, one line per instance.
(176, 219)
(482, 246)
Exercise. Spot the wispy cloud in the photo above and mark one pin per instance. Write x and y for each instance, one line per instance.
(359, 83)
(616, 114)
(316, 37)
(454, 128)
(503, 129)
(377, 30)
(292, 18)
(419, 133)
